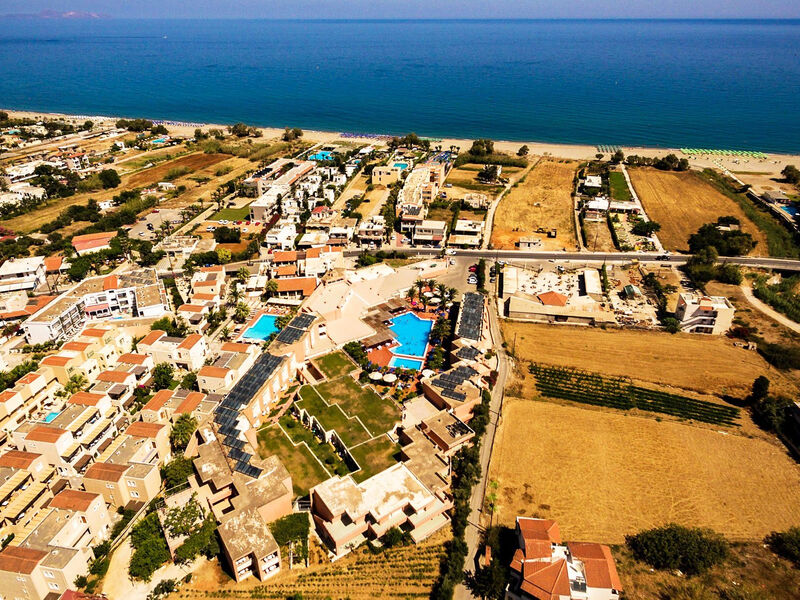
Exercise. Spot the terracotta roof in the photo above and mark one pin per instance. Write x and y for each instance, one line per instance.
(18, 459)
(287, 270)
(205, 283)
(212, 269)
(545, 580)
(235, 347)
(153, 337)
(110, 283)
(143, 430)
(14, 559)
(43, 433)
(7, 395)
(194, 308)
(306, 285)
(538, 535)
(105, 471)
(131, 358)
(103, 235)
(73, 500)
(86, 398)
(552, 299)
(114, 376)
(204, 297)
(190, 341)
(601, 572)
(53, 263)
(211, 371)
(159, 399)
(189, 403)
(94, 332)
(56, 361)
(79, 346)
(29, 378)
(284, 256)
(314, 252)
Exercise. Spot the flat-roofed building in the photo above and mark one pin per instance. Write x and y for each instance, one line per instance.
(466, 234)
(36, 574)
(123, 485)
(386, 175)
(711, 315)
(22, 274)
(188, 353)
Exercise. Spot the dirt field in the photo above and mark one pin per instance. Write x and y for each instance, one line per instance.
(682, 203)
(542, 199)
(598, 237)
(605, 474)
(399, 573)
(704, 364)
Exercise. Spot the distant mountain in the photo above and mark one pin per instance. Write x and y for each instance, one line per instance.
(54, 14)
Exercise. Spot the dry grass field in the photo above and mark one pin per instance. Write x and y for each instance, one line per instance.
(193, 162)
(399, 573)
(682, 203)
(704, 364)
(598, 237)
(542, 199)
(605, 474)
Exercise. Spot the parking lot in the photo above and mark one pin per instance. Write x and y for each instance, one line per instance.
(154, 218)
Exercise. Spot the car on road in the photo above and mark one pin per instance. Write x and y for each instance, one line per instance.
(450, 251)
(244, 229)
(473, 268)
(210, 228)
(472, 280)
(502, 263)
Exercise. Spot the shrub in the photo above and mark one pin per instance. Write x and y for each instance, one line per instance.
(691, 550)
(786, 544)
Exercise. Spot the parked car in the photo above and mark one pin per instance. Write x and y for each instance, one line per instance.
(473, 268)
(450, 251)
(472, 280)
(244, 229)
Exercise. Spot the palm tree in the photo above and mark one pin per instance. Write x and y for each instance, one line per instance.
(225, 334)
(234, 294)
(241, 313)
(420, 285)
(451, 294)
(441, 291)
(271, 288)
(431, 284)
(411, 294)
(75, 384)
(242, 275)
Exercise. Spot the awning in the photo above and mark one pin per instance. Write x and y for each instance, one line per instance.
(96, 307)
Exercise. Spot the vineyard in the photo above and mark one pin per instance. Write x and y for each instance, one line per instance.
(620, 393)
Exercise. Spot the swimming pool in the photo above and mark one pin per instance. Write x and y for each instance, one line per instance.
(321, 155)
(50, 416)
(406, 363)
(403, 166)
(412, 333)
(159, 141)
(791, 210)
(261, 329)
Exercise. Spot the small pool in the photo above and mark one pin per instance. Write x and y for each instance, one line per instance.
(50, 416)
(322, 155)
(261, 329)
(412, 333)
(791, 210)
(406, 363)
(160, 140)
(402, 166)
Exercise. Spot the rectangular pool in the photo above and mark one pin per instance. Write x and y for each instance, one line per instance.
(791, 210)
(401, 166)
(406, 363)
(321, 155)
(412, 333)
(50, 417)
(261, 329)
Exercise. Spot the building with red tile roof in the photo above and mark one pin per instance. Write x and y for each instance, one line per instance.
(93, 242)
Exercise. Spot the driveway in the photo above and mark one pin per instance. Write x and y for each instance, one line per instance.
(768, 310)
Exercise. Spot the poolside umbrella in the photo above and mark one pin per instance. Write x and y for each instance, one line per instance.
(434, 301)
(427, 372)
(428, 294)
(390, 378)
(375, 375)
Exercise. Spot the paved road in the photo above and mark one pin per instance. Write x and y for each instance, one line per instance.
(768, 310)
(474, 530)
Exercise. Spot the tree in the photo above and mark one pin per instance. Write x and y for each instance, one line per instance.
(786, 544)
(87, 125)
(239, 130)
(162, 376)
(75, 384)
(692, 550)
(791, 174)
(482, 147)
(109, 178)
(242, 275)
(617, 157)
(411, 294)
(271, 288)
(223, 255)
(770, 412)
(489, 173)
(177, 471)
(645, 228)
(760, 388)
(487, 582)
(523, 151)
(241, 312)
(189, 381)
(227, 235)
(182, 431)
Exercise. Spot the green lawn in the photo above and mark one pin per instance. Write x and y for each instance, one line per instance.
(335, 364)
(374, 456)
(232, 214)
(377, 414)
(331, 417)
(619, 187)
(305, 470)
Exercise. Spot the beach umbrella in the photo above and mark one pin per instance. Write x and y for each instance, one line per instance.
(427, 372)
(375, 376)
(435, 301)
(390, 378)
(428, 294)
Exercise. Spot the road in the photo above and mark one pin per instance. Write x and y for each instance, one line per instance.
(474, 530)
(769, 311)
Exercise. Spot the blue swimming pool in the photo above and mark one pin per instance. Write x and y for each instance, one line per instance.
(406, 363)
(412, 333)
(403, 166)
(321, 155)
(50, 416)
(791, 210)
(261, 329)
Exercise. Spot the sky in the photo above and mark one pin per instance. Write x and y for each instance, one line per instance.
(415, 9)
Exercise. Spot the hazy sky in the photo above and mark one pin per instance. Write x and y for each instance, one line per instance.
(416, 9)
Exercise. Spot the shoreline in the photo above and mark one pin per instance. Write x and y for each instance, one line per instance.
(775, 161)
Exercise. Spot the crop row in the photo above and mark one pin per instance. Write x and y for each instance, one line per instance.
(592, 388)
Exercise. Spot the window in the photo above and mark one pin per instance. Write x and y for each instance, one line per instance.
(110, 486)
(53, 586)
(49, 574)
(131, 483)
(134, 494)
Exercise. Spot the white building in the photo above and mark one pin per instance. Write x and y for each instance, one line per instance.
(281, 237)
(22, 274)
(704, 314)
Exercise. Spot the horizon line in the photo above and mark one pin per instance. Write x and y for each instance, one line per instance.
(37, 17)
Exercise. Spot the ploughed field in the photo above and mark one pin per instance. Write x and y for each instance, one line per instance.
(683, 202)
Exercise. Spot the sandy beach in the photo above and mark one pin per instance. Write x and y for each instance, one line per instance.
(773, 164)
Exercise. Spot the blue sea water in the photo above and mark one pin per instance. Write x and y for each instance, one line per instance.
(712, 84)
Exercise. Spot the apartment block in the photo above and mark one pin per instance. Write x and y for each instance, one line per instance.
(711, 315)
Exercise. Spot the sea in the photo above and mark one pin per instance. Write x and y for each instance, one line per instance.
(722, 84)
